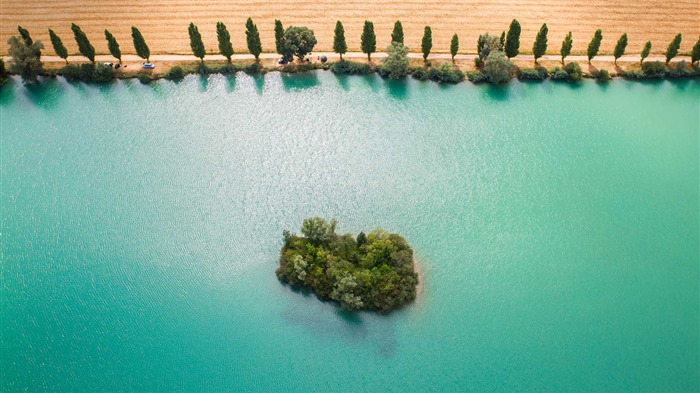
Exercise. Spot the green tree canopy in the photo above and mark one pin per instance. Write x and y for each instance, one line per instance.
(539, 48)
(318, 230)
(339, 44)
(502, 41)
(673, 46)
(620, 47)
(497, 67)
(58, 46)
(142, 49)
(396, 62)
(397, 34)
(252, 36)
(113, 46)
(368, 40)
(196, 42)
(24, 33)
(279, 35)
(566, 47)
(695, 52)
(485, 44)
(224, 38)
(298, 41)
(512, 46)
(645, 51)
(454, 46)
(84, 46)
(26, 60)
(427, 42)
(594, 45)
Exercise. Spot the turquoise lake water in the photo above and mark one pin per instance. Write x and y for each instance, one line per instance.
(556, 226)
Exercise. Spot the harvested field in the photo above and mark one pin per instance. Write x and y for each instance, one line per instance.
(164, 23)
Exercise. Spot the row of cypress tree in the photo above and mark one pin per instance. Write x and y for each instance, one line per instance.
(510, 42)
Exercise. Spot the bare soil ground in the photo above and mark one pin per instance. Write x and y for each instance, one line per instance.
(164, 22)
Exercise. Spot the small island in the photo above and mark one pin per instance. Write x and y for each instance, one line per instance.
(371, 272)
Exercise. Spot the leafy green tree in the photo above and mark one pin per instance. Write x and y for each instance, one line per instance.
(298, 41)
(454, 46)
(512, 46)
(58, 46)
(224, 38)
(113, 46)
(540, 46)
(498, 67)
(620, 47)
(566, 47)
(24, 33)
(339, 44)
(279, 35)
(26, 58)
(427, 43)
(695, 53)
(396, 62)
(485, 44)
(368, 40)
(594, 45)
(344, 292)
(318, 230)
(397, 34)
(502, 41)
(140, 45)
(361, 237)
(645, 52)
(252, 36)
(672, 49)
(84, 46)
(196, 42)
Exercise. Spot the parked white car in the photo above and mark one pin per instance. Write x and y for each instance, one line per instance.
(148, 66)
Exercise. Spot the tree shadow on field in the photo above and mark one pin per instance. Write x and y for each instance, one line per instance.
(298, 82)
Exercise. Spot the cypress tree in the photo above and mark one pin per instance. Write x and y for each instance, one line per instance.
(512, 46)
(397, 34)
(427, 43)
(368, 40)
(24, 33)
(58, 46)
(142, 49)
(645, 51)
(672, 49)
(566, 47)
(502, 41)
(225, 46)
(252, 36)
(84, 47)
(695, 53)
(339, 44)
(595, 44)
(620, 47)
(540, 46)
(454, 46)
(279, 35)
(113, 46)
(196, 42)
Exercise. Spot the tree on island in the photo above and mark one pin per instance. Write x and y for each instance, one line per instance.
(594, 45)
(26, 58)
(224, 38)
(427, 42)
(454, 46)
(368, 40)
(395, 64)
(397, 34)
(539, 48)
(566, 47)
(113, 46)
(373, 272)
(339, 44)
(645, 52)
(620, 47)
(84, 46)
(279, 36)
(252, 37)
(142, 49)
(58, 46)
(672, 49)
(196, 42)
(512, 46)
(298, 41)
(695, 52)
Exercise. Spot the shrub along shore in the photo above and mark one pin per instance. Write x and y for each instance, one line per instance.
(497, 59)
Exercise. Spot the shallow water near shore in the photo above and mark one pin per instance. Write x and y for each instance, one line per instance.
(556, 225)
